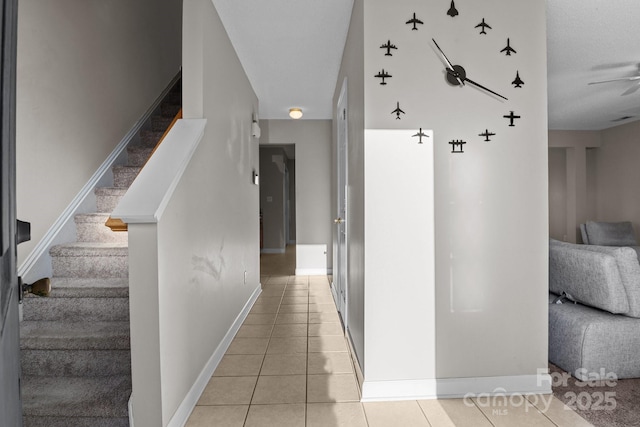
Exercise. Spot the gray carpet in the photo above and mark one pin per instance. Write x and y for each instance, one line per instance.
(614, 403)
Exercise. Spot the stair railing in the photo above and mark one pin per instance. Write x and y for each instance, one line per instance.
(116, 224)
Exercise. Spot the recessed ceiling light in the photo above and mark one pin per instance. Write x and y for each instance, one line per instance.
(295, 113)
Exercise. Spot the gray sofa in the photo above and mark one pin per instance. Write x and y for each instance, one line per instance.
(599, 334)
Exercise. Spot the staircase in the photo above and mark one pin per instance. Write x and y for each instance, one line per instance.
(76, 359)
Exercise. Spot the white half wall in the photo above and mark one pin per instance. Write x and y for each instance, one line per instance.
(193, 220)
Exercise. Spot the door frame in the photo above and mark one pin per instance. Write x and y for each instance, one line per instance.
(10, 400)
(340, 253)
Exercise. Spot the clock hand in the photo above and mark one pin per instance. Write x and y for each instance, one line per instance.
(484, 88)
(450, 69)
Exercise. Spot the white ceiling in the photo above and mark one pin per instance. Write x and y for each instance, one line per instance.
(592, 40)
(291, 52)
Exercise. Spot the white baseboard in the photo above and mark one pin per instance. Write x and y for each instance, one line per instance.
(38, 263)
(373, 391)
(181, 416)
(311, 271)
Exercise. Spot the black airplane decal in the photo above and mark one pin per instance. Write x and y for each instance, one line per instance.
(397, 112)
(457, 143)
(452, 10)
(483, 25)
(511, 117)
(420, 135)
(414, 21)
(518, 81)
(388, 46)
(509, 50)
(486, 135)
(383, 75)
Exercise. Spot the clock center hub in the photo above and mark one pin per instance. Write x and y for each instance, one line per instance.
(456, 75)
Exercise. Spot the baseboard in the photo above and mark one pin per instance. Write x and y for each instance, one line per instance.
(38, 263)
(373, 391)
(272, 251)
(181, 416)
(311, 271)
(130, 405)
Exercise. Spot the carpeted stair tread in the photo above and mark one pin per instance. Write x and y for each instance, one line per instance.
(72, 287)
(90, 227)
(107, 198)
(75, 422)
(74, 335)
(77, 309)
(124, 175)
(75, 362)
(150, 138)
(137, 154)
(76, 396)
(85, 249)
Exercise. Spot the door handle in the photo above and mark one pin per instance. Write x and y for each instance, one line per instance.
(338, 220)
(23, 231)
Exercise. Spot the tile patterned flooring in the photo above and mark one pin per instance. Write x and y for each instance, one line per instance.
(289, 365)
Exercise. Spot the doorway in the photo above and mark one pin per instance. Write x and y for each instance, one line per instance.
(277, 206)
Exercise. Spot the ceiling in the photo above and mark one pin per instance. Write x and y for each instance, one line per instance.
(291, 52)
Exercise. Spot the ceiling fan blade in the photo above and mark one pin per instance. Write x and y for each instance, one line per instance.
(626, 79)
(631, 90)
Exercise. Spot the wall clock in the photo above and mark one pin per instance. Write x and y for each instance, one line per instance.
(478, 54)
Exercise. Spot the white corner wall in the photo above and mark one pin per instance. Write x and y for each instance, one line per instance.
(86, 72)
(312, 139)
(491, 203)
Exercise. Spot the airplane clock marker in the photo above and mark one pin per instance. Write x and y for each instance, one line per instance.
(518, 81)
(414, 21)
(483, 25)
(388, 46)
(420, 135)
(452, 10)
(508, 50)
(511, 118)
(383, 75)
(397, 112)
(457, 143)
(486, 135)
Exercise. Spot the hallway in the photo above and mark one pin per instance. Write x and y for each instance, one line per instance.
(289, 365)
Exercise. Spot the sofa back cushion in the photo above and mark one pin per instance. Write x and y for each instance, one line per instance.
(589, 277)
(627, 262)
(610, 233)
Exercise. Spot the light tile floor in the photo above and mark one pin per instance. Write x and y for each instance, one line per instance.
(289, 365)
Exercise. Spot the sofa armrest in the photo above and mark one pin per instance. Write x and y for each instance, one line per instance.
(591, 278)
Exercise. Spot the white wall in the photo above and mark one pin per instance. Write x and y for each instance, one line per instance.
(195, 251)
(86, 71)
(618, 175)
(491, 202)
(572, 181)
(312, 139)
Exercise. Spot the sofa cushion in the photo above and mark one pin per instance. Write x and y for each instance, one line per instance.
(584, 340)
(610, 233)
(589, 277)
(629, 269)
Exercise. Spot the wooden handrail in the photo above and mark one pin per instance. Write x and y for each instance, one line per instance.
(116, 224)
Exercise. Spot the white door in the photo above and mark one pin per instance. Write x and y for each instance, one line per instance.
(340, 221)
